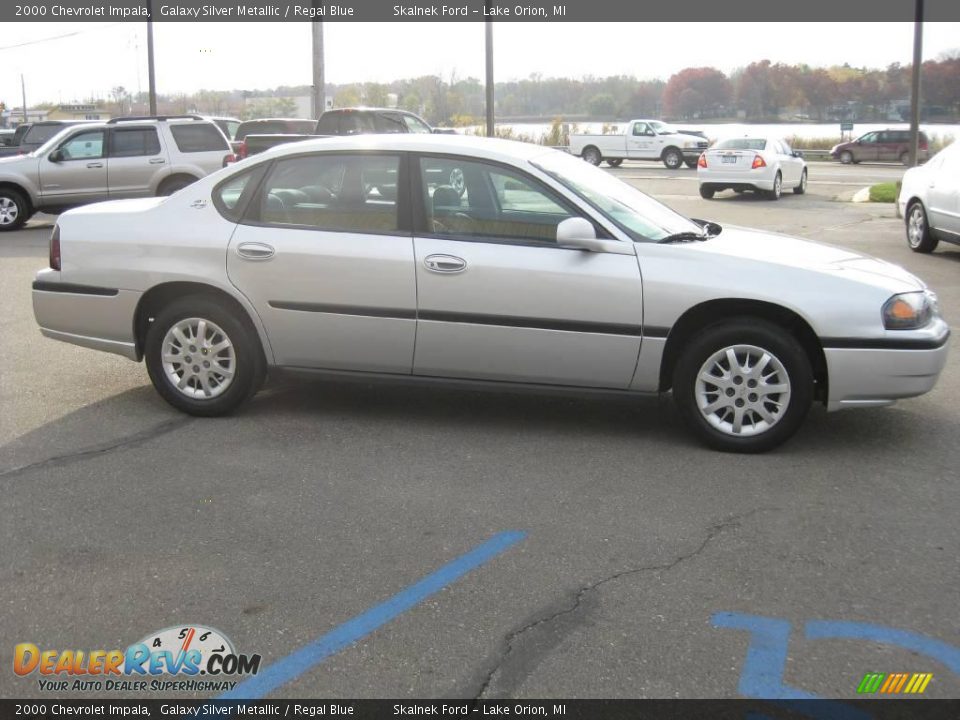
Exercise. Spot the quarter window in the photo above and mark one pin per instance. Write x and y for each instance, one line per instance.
(133, 142)
(83, 146)
(198, 137)
(465, 199)
(348, 193)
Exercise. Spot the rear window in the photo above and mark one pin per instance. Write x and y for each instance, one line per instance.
(389, 123)
(329, 124)
(742, 144)
(198, 137)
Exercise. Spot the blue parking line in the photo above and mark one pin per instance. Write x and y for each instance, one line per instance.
(312, 654)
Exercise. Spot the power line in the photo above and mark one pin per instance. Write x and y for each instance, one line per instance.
(58, 37)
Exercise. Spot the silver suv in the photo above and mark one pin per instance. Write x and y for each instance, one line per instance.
(126, 157)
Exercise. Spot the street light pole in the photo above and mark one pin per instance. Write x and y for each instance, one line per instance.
(915, 83)
(489, 48)
(319, 86)
(151, 72)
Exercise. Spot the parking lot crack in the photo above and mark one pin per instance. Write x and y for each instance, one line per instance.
(522, 660)
(110, 446)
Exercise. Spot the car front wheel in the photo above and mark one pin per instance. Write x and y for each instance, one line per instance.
(744, 385)
(201, 358)
(846, 157)
(919, 237)
(14, 211)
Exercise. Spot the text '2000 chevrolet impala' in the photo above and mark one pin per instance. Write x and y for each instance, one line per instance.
(492, 262)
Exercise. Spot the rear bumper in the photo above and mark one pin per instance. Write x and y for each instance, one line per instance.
(870, 376)
(759, 179)
(92, 317)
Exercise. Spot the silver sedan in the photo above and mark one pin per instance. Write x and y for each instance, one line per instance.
(468, 260)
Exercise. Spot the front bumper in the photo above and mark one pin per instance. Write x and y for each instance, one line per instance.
(93, 317)
(879, 373)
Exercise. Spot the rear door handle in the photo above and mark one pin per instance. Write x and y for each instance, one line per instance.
(445, 263)
(255, 251)
(94, 165)
(157, 161)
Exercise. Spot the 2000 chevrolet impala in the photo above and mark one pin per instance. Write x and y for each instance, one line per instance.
(482, 260)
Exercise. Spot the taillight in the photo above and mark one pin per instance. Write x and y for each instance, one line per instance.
(758, 162)
(702, 161)
(227, 159)
(55, 248)
(923, 144)
(242, 150)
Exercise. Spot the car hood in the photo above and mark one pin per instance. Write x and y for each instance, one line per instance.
(787, 251)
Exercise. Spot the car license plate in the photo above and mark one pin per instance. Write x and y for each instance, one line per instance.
(731, 159)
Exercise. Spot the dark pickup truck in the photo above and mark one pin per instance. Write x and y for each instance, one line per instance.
(343, 121)
(30, 136)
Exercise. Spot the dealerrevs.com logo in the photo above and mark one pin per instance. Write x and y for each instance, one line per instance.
(170, 660)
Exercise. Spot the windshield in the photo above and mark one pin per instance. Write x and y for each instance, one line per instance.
(742, 144)
(662, 128)
(637, 214)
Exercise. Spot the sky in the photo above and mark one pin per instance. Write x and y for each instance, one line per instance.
(95, 57)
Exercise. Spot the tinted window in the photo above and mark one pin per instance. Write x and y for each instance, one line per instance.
(198, 137)
(133, 142)
(742, 144)
(415, 124)
(83, 146)
(389, 123)
(351, 193)
(260, 127)
(329, 124)
(39, 134)
(471, 199)
(869, 138)
(357, 123)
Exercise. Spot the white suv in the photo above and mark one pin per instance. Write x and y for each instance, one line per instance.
(126, 157)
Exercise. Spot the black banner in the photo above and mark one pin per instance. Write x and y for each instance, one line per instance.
(914, 709)
(471, 11)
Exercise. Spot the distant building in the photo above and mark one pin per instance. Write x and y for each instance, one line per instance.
(78, 112)
(14, 116)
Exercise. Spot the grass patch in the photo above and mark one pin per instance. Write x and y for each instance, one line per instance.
(883, 192)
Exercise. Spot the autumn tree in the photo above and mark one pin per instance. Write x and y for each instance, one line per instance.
(697, 92)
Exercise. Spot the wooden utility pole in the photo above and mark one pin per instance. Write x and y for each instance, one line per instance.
(151, 70)
(915, 83)
(490, 99)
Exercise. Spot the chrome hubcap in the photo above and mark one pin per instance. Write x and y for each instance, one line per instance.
(916, 227)
(742, 390)
(8, 211)
(198, 358)
(776, 185)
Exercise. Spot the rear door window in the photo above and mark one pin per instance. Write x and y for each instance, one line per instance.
(198, 137)
(133, 142)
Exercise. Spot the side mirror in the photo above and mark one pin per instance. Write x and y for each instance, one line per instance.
(797, 154)
(56, 156)
(578, 232)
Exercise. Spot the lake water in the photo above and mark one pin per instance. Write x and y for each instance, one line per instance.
(784, 130)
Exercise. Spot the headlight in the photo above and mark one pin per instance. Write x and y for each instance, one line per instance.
(690, 144)
(909, 311)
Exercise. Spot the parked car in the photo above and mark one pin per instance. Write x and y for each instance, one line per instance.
(342, 121)
(761, 164)
(930, 201)
(228, 125)
(888, 145)
(342, 256)
(121, 158)
(7, 137)
(641, 140)
(40, 132)
(267, 126)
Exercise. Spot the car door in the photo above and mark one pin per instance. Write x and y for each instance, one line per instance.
(135, 162)
(75, 171)
(498, 299)
(943, 196)
(866, 148)
(325, 254)
(792, 167)
(641, 141)
(888, 146)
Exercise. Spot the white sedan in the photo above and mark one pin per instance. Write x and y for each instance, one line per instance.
(930, 201)
(760, 164)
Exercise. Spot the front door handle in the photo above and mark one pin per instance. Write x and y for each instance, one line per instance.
(94, 165)
(157, 161)
(255, 251)
(445, 263)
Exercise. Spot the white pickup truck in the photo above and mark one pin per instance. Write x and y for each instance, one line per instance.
(642, 140)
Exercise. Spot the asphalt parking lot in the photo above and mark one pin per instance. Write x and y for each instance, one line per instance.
(626, 560)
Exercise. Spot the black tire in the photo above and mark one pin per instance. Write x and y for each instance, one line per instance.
(691, 163)
(174, 184)
(802, 187)
(905, 158)
(777, 188)
(846, 157)
(592, 155)
(14, 210)
(672, 158)
(249, 365)
(919, 237)
(707, 192)
(614, 162)
(765, 337)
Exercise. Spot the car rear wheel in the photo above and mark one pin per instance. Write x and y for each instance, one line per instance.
(777, 188)
(174, 184)
(846, 157)
(919, 237)
(706, 192)
(744, 385)
(14, 210)
(690, 163)
(802, 187)
(201, 358)
(672, 158)
(614, 162)
(592, 155)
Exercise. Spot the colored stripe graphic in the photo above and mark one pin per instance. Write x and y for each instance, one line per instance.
(871, 682)
(894, 683)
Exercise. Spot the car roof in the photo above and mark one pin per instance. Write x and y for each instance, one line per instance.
(473, 145)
